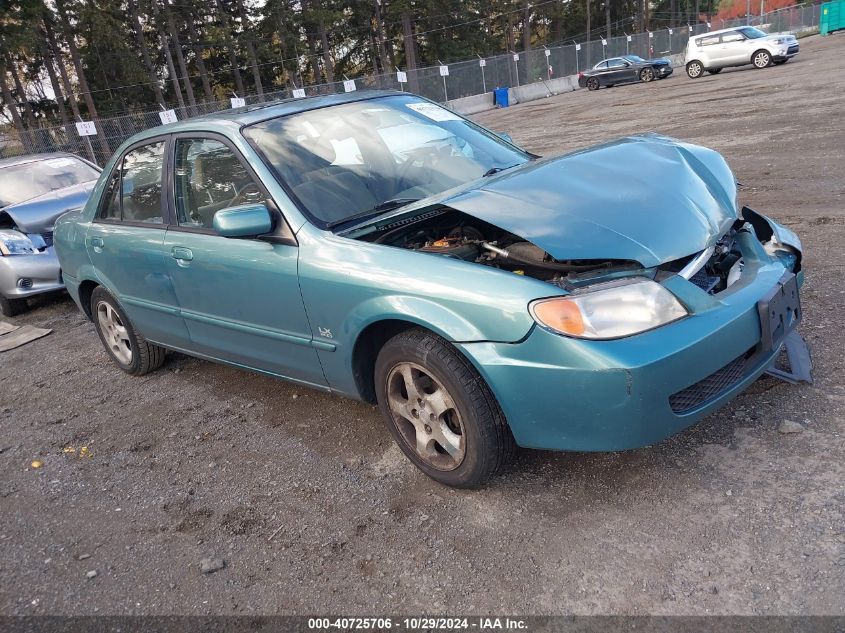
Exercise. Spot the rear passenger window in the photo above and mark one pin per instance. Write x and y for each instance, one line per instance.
(134, 192)
(707, 41)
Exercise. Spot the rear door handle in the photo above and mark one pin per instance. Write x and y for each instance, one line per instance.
(97, 244)
(181, 254)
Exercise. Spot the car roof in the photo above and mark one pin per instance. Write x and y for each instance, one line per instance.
(247, 115)
(720, 31)
(31, 158)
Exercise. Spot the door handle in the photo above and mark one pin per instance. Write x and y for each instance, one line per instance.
(181, 254)
(97, 244)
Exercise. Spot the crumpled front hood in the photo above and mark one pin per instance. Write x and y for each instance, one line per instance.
(648, 198)
(37, 215)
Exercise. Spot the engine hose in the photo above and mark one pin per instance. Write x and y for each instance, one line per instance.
(554, 266)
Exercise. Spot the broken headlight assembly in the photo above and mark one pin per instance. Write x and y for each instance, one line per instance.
(610, 310)
(16, 243)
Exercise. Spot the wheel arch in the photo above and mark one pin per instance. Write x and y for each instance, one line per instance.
(86, 289)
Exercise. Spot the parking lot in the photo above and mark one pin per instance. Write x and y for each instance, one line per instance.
(314, 510)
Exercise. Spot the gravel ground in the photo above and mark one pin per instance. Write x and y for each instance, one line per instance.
(312, 509)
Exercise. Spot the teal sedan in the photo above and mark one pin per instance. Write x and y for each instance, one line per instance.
(381, 247)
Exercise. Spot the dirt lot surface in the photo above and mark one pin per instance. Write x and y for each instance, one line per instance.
(314, 510)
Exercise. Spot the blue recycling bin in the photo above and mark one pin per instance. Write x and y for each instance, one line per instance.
(500, 97)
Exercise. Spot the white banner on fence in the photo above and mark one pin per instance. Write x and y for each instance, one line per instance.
(629, 38)
(299, 93)
(650, 34)
(516, 57)
(690, 29)
(604, 42)
(548, 52)
(238, 102)
(444, 71)
(349, 85)
(402, 77)
(482, 62)
(167, 116)
(670, 31)
(86, 128)
(577, 47)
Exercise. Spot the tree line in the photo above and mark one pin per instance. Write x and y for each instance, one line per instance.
(67, 60)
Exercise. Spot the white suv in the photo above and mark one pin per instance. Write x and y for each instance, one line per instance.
(739, 46)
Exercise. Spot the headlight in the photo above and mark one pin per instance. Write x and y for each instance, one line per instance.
(610, 310)
(781, 40)
(15, 243)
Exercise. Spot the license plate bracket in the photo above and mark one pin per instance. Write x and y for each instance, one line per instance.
(780, 312)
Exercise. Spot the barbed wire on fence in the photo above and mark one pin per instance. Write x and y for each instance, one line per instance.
(465, 79)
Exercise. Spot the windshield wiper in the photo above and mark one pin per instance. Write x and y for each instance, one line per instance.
(496, 170)
(382, 207)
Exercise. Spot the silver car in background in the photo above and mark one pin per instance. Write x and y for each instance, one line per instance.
(711, 52)
(34, 191)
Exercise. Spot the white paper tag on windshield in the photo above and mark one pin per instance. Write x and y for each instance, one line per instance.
(58, 163)
(433, 111)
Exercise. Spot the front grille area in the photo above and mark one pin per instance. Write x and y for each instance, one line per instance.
(703, 280)
(792, 49)
(711, 386)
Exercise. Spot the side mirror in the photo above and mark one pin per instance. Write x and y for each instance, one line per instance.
(505, 136)
(246, 220)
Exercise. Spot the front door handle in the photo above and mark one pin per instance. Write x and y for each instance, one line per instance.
(97, 244)
(181, 254)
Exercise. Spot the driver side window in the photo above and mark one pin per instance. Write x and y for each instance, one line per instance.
(209, 177)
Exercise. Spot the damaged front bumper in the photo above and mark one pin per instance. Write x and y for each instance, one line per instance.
(564, 393)
(23, 276)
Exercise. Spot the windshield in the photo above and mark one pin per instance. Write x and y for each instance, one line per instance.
(30, 180)
(751, 33)
(345, 160)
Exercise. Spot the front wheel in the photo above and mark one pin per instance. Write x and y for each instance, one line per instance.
(440, 411)
(761, 59)
(12, 307)
(647, 74)
(593, 84)
(694, 69)
(127, 348)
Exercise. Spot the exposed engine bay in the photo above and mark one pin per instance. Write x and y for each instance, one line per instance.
(451, 233)
(454, 234)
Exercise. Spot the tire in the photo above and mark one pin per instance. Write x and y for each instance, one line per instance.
(714, 71)
(12, 307)
(695, 69)
(761, 58)
(647, 75)
(128, 350)
(593, 83)
(440, 411)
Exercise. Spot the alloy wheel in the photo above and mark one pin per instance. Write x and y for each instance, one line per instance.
(114, 332)
(762, 59)
(647, 74)
(426, 416)
(694, 69)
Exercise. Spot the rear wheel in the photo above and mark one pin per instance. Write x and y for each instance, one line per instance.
(647, 74)
(129, 350)
(761, 59)
(440, 411)
(593, 83)
(695, 69)
(12, 307)
(714, 71)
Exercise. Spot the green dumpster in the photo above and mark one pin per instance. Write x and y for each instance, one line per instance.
(832, 17)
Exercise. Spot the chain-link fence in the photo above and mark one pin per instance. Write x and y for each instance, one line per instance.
(464, 79)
